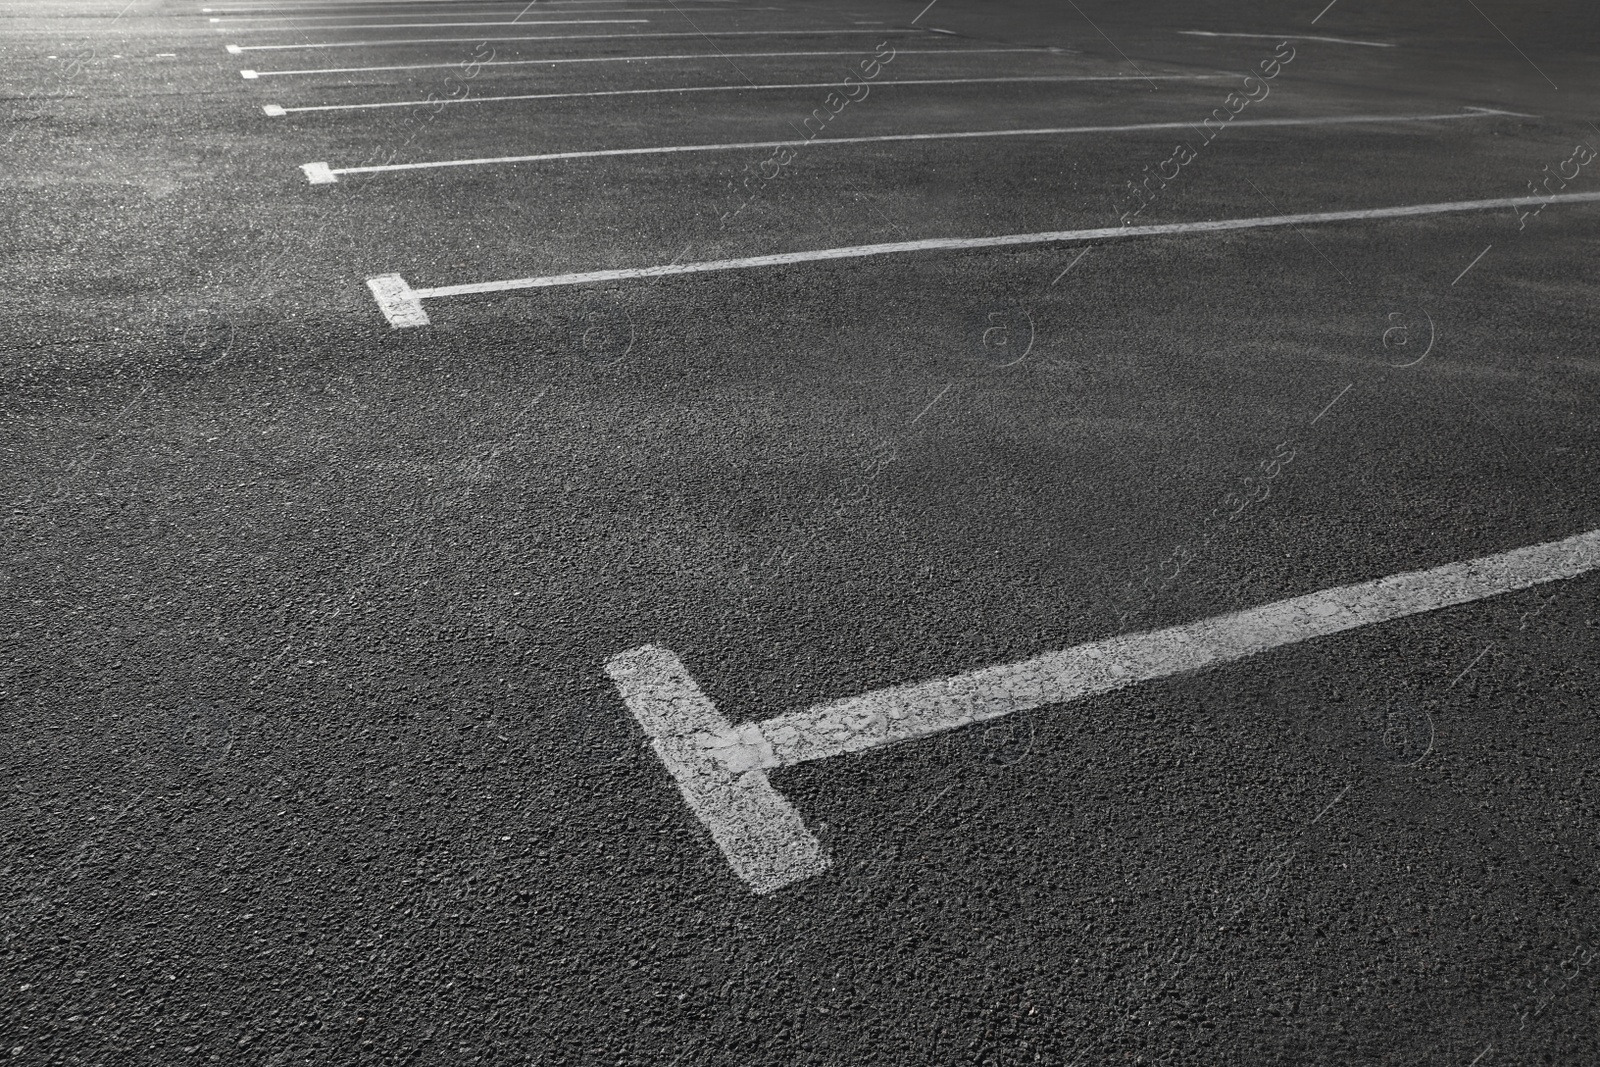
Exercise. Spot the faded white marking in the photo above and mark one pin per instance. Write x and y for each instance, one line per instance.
(318, 173)
(272, 111)
(747, 87)
(249, 75)
(720, 769)
(1474, 262)
(1335, 400)
(759, 832)
(651, 59)
(1330, 805)
(397, 302)
(1069, 266)
(956, 135)
(958, 244)
(929, 406)
(236, 49)
(1288, 37)
(1469, 666)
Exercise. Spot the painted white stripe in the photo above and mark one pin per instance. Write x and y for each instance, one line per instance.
(1288, 37)
(331, 11)
(720, 769)
(519, 4)
(396, 300)
(433, 25)
(759, 832)
(297, 20)
(746, 87)
(1049, 131)
(235, 49)
(959, 244)
(644, 59)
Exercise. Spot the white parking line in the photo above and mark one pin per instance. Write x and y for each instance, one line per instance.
(322, 174)
(273, 109)
(237, 49)
(732, 5)
(299, 19)
(720, 768)
(1287, 37)
(251, 74)
(402, 305)
(433, 25)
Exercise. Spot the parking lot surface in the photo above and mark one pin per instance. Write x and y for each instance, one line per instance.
(800, 532)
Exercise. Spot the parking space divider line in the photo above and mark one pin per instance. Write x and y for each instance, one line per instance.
(329, 174)
(721, 769)
(428, 25)
(402, 305)
(238, 49)
(1048, 50)
(736, 88)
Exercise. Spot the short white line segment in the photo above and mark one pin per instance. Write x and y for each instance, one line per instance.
(721, 768)
(743, 88)
(402, 305)
(331, 174)
(1332, 402)
(1474, 263)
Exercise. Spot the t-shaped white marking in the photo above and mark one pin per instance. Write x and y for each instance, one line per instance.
(400, 305)
(718, 770)
(721, 769)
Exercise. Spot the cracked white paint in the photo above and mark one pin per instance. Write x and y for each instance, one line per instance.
(721, 768)
(718, 770)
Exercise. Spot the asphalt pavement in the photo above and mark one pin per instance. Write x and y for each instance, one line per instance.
(859, 531)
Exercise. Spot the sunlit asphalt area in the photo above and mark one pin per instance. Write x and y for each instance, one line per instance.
(783, 532)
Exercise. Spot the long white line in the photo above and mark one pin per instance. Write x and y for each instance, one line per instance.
(521, 4)
(297, 20)
(721, 768)
(1288, 37)
(322, 174)
(402, 305)
(235, 49)
(428, 26)
(642, 59)
(433, 25)
(273, 109)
